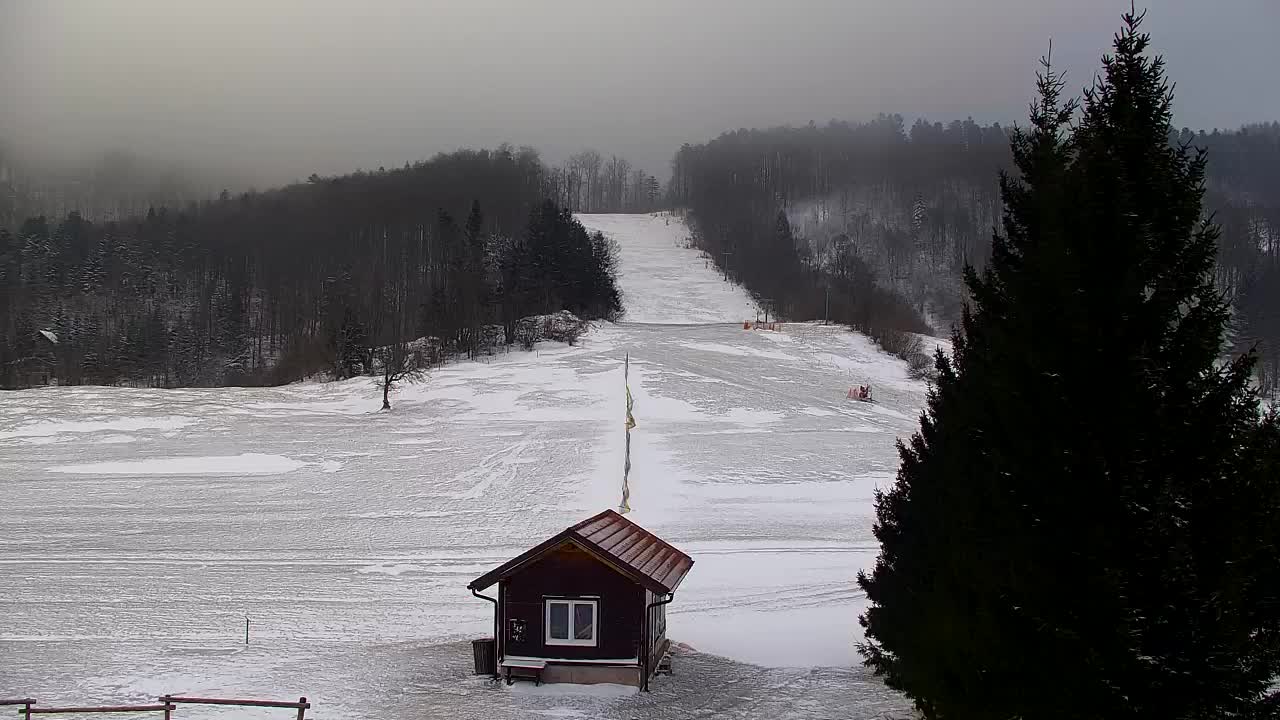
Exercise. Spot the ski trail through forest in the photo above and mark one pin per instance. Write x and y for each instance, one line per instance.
(144, 525)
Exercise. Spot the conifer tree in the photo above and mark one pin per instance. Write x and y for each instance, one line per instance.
(1085, 524)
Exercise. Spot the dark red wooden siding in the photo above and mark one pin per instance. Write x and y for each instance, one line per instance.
(569, 571)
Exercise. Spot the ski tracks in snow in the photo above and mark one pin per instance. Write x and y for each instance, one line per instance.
(352, 552)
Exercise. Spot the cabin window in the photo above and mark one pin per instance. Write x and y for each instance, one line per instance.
(571, 622)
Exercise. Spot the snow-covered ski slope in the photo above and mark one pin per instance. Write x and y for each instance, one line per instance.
(659, 275)
(141, 527)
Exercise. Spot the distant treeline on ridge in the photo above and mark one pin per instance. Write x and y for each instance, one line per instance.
(874, 223)
(275, 286)
(868, 224)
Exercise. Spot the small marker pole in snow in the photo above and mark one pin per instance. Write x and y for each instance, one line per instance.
(246, 629)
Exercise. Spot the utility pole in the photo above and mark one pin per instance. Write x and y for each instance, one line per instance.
(827, 314)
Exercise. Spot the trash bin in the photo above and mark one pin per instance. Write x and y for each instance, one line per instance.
(486, 663)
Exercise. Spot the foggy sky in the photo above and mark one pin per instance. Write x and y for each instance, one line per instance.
(274, 90)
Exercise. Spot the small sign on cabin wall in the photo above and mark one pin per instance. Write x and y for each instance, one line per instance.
(515, 630)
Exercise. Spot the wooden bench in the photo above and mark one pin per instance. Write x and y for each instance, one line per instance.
(528, 668)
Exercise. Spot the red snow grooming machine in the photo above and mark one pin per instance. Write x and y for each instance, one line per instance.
(860, 392)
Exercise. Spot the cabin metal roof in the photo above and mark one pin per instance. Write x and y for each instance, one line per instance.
(615, 540)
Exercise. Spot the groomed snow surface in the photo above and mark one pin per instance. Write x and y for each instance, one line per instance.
(141, 527)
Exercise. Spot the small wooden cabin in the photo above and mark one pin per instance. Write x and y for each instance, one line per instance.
(586, 606)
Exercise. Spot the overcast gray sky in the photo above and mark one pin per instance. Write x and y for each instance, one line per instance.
(281, 89)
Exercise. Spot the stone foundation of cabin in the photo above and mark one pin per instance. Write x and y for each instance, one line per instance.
(591, 674)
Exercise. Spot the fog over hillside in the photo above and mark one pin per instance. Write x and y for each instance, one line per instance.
(272, 92)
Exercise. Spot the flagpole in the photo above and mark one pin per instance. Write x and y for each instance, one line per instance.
(625, 506)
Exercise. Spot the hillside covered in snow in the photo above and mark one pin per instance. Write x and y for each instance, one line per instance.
(144, 526)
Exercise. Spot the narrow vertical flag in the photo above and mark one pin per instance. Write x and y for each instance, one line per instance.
(625, 506)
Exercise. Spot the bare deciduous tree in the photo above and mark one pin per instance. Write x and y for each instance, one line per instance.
(400, 364)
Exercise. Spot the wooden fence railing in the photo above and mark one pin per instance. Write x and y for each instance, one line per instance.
(167, 705)
(301, 706)
(29, 711)
(26, 704)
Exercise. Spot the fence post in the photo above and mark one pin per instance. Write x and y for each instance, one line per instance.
(168, 707)
(302, 708)
(26, 709)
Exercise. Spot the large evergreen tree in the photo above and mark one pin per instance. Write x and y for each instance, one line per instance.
(1085, 525)
(560, 266)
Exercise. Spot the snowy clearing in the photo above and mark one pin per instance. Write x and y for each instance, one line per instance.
(143, 526)
(242, 464)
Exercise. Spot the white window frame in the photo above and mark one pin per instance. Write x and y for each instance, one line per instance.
(571, 602)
